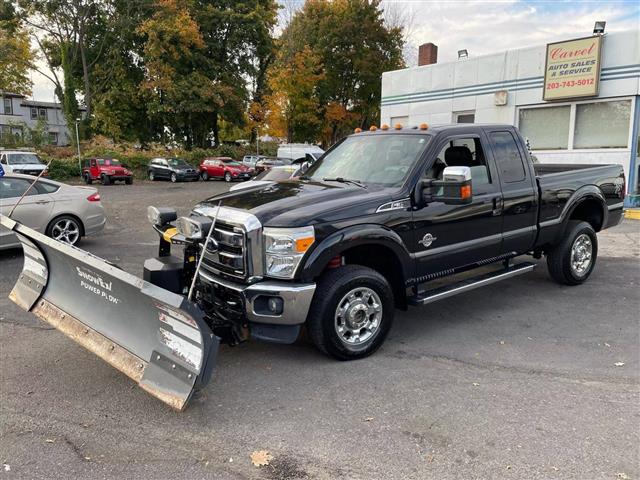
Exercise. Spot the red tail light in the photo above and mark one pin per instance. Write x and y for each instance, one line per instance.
(94, 198)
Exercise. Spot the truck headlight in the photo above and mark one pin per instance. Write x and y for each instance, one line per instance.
(194, 228)
(284, 248)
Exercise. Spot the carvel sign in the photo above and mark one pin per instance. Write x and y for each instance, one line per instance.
(572, 68)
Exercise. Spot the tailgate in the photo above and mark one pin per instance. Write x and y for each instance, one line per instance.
(156, 337)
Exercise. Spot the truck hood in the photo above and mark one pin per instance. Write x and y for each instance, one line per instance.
(294, 203)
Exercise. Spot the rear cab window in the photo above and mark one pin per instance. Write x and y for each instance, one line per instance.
(507, 156)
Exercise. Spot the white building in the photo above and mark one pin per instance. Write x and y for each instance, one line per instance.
(18, 113)
(507, 87)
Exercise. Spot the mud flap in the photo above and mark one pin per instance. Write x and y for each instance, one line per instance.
(156, 337)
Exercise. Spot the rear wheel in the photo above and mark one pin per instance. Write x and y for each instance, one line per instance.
(351, 313)
(128, 180)
(205, 176)
(65, 229)
(227, 177)
(105, 179)
(87, 178)
(174, 178)
(574, 258)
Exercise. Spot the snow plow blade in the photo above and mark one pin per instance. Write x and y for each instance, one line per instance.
(156, 337)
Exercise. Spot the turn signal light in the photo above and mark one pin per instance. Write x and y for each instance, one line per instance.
(384, 126)
(303, 244)
(397, 126)
(94, 198)
(373, 128)
(465, 192)
(424, 126)
(357, 130)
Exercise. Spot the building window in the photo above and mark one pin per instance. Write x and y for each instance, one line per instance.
(465, 117)
(37, 113)
(42, 113)
(602, 124)
(8, 107)
(34, 113)
(53, 138)
(5, 132)
(404, 121)
(508, 157)
(546, 128)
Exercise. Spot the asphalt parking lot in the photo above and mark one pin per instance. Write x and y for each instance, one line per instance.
(516, 380)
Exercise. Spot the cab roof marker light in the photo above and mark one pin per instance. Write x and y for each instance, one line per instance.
(357, 130)
(384, 126)
(398, 126)
(373, 128)
(424, 126)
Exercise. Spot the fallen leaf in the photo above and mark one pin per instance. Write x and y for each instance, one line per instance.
(606, 344)
(501, 342)
(429, 458)
(368, 419)
(87, 458)
(555, 469)
(508, 467)
(230, 459)
(619, 364)
(261, 458)
(49, 440)
(475, 384)
(7, 467)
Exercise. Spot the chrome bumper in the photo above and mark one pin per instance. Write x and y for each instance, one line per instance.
(296, 298)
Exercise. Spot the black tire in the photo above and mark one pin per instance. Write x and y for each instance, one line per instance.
(87, 178)
(152, 176)
(332, 287)
(560, 259)
(204, 176)
(227, 177)
(105, 179)
(76, 229)
(174, 178)
(128, 181)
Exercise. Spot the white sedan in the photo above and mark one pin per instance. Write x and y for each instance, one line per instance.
(60, 211)
(274, 174)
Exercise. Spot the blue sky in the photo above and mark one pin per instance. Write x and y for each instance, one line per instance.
(482, 27)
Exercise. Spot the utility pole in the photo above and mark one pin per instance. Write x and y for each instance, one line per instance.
(78, 145)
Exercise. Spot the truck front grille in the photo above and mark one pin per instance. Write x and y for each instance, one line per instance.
(230, 257)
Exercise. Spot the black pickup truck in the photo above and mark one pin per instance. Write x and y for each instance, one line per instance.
(383, 220)
(371, 224)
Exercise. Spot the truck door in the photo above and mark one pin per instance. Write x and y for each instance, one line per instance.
(449, 236)
(94, 170)
(519, 192)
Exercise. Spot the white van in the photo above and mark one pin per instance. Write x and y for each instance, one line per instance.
(18, 161)
(294, 151)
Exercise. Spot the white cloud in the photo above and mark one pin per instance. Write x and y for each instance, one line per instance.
(487, 27)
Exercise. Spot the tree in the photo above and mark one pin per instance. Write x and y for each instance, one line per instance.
(355, 47)
(16, 56)
(293, 106)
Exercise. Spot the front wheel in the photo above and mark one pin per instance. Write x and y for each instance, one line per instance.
(152, 176)
(174, 178)
(351, 313)
(87, 178)
(227, 177)
(105, 179)
(204, 176)
(573, 259)
(65, 229)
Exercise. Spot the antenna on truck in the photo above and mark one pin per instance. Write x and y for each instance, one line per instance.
(204, 246)
(29, 187)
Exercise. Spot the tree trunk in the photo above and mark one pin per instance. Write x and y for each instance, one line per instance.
(85, 75)
(216, 130)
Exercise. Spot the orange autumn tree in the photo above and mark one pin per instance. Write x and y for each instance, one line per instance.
(293, 107)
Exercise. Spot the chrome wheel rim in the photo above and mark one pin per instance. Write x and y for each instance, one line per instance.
(173, 177)
(151, 175)
(358, 316)
(66, 231)
(227, 177)
(581, 254)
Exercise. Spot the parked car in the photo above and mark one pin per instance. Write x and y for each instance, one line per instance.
(224, 167)
(275, 174)
(63, 212)
(174, 169)
(106, 170)
(293, 151)
(267, 163)
(18, 161)
(251, 160)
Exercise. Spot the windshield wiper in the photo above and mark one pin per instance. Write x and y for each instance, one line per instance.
(345, 180)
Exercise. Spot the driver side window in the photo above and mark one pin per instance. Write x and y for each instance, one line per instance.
(462, 152)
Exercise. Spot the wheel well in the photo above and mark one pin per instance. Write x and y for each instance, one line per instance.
(590, 211)
(75, 217)
(384, 261)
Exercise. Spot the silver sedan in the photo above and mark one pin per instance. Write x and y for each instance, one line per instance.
(60, 211)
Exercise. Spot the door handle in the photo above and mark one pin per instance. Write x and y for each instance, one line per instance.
(497, 207)
(42, 202)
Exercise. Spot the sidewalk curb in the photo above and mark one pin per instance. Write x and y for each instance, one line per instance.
(632, 213)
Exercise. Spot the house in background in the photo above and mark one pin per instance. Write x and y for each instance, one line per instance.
(18, 113)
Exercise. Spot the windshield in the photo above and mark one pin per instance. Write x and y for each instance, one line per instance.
(109, 161)
(24, 159)
(276, 174)
(371, 159)
(177, 162)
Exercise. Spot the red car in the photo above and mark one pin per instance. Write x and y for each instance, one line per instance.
(224, 167)
(106, 170)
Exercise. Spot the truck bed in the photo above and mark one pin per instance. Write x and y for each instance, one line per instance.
(543, 169)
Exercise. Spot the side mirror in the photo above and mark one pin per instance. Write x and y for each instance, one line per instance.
(453, 189)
